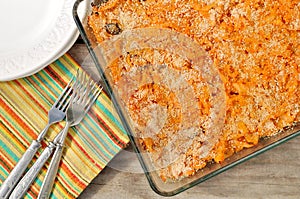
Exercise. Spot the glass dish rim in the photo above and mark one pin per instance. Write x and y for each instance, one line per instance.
(293, 133)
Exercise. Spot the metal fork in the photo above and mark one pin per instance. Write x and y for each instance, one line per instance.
(55, 114)
(84, 94)
(75, 113)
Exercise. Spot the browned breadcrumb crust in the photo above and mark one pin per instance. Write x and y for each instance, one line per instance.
(255, 45)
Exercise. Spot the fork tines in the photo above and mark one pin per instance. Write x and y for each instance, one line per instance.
(62, 102)
(89, 85)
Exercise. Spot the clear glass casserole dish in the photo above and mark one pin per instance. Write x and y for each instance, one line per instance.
(142, 123)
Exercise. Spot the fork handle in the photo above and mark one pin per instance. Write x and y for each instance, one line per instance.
(15, 175)
(29, 177)
(49, 179)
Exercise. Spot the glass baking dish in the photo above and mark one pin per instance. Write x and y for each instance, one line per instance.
(114, 49)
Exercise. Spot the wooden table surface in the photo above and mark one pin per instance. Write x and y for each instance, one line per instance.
(273, 174)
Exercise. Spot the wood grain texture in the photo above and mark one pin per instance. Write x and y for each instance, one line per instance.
(273, 174)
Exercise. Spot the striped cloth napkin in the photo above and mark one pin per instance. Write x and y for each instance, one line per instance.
(24, 106)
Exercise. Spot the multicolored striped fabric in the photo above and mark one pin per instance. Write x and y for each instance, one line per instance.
(24, 106)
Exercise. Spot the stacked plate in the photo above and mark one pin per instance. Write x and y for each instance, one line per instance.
(33, 34)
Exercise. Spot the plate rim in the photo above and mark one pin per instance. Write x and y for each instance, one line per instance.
(64, 21)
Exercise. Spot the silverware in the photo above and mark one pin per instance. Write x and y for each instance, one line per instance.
(55, 114)
(84, 94)
(75, 113)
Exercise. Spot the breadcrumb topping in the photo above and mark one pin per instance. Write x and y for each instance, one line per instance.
(255, 46)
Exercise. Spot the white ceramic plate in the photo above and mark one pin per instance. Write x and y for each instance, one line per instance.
(33, 34)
